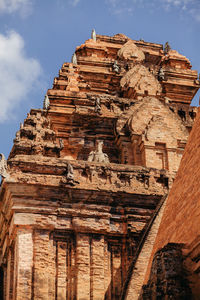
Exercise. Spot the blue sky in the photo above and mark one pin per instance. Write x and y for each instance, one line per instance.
(38, 36)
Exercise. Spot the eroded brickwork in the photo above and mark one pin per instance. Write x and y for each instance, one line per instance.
(168, 278)
(180, 222)
(87, 173)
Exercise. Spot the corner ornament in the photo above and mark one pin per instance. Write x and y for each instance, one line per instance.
(3, 166)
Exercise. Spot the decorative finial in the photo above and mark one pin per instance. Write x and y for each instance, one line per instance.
(167, 48)
(46, 102)
(93, 35)
(74, 59)
(3, 166)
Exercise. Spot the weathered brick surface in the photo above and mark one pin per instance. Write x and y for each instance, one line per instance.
(180, 222)
(62, 272)
(44, 269)
(73, 213)
(83, 266)
(24, 265)
(168, 278)
(181, 211)
(137, 277)
(97, 267)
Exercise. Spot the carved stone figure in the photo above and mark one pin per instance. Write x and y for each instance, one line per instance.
(61, 143)
(161, 74)
(70, 173)
(74, 59)
(167, 48)
(116, 67)
(93, 35)
(97, 108)
(3, 166)
(46, 102)
(17, 136)
(91, 156)
(90, 171)
(69, 176)
(97, 155)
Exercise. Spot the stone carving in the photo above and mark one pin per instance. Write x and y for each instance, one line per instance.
(46, 102)
(167, 48)
(3, 166)
(97, 108)
(125, 178)
(161, 75)
(61, 143)
(74, 59)
(98, 155)
(129, 51)
(93, 35)
(70, 173)
(69, 176)
(116, 67)
(17, 137)
(90, 171)
(140, 81)
(108, 174)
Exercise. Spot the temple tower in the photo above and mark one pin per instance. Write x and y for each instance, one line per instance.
(88, 173)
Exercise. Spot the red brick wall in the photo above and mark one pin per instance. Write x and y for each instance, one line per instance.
(181, 219)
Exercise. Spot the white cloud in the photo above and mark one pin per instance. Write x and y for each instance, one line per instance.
(24, 7)
(120, 7)
(74, 2)
(18, 73)
(189, 7)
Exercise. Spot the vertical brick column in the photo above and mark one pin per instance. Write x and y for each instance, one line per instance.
(44, 266)
(51, 268)
(8, 279)
(116, 271)
(71, 268)
(97, 268)
(107, 270)
(83, 266)
(4, 281)
(24, 266)
(62, 271)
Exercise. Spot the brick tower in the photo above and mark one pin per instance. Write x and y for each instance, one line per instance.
(88, 173)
